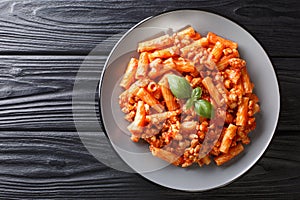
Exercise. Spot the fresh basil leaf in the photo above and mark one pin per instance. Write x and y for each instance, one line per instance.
(204, 108)
(180, 87)
(196, 93)
(189, 103)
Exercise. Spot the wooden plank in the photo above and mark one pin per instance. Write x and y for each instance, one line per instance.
(36, 91)
(76, 27)
(56, 165)
(288, 75)
(43, 87)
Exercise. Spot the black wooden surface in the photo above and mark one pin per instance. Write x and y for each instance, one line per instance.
(42, 45)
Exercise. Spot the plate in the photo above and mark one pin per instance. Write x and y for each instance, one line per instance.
(137, 155)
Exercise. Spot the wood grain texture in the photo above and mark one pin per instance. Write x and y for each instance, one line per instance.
(43, 45)
(76, 27)
(56, 164)
(36, 91)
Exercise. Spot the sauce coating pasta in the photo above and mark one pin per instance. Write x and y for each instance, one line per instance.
(175, 128)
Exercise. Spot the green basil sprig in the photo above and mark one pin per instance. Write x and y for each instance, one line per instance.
(181, 89)
(204, 108)
(196, 94)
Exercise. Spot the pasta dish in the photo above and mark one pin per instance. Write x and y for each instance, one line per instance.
(190, 98)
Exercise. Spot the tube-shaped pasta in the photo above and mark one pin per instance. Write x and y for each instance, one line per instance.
(183, 65)
(224, 61)
(163, 53)
(136, 127)
(163, 154)
(150, 100)
(140, 115)
(160, 117)
(205, 160)
(159, 68)
(133, 89)
(239, 87)
(242, 112)
(197, 36)
(217, 51)
(203, 42)
(213, 38)
(167, 95)
(234, 151)
(155, 68)
(129, 75)
(156, 73)
(213, 91)
(157, 94)
(247, 85)
(227, 138)
(152, 87)
(156, 43)
(138, 84)
(190, 31)
(169, 64)
(210, 63)
(143, 65)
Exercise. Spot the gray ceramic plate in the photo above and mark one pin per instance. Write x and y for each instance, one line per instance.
(137, 155)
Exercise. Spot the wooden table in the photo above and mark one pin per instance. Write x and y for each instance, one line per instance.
(43, 43)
